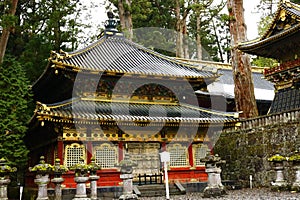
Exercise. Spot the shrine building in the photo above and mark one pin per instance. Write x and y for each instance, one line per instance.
(281, 41)
(115, 97)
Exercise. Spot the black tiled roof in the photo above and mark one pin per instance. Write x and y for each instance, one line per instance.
(258, 80)
(87, 109)
(286, 100)
(119, 55)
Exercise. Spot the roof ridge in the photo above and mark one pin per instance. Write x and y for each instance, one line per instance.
(190, 106)
(61, 58)
(224, 113)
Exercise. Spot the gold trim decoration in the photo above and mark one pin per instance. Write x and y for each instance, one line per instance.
(176, 147)
(83, 156)
(282, 15)
(109, 147)
(196, 148)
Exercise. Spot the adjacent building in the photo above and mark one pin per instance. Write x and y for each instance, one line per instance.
(281, 42)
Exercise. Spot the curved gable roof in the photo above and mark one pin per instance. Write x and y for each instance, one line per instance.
(89, 110)
(115, 54)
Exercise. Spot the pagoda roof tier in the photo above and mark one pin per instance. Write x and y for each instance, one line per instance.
(282, 39)
(114, 54)
(88, 111)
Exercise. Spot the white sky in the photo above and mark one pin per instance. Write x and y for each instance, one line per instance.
(252, 17)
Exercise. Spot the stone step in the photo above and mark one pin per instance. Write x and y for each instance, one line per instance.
(159, 190)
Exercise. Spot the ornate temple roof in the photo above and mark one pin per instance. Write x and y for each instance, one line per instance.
(88, 111)
(117, 55)
(282, 38)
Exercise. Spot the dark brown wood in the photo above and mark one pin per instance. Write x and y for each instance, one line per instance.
(7, 30)
(242, 74)
(125, 18)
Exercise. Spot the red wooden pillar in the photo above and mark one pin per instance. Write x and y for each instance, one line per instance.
(191, 157)
(209, 145)
(163, 146)
(121, 149)
(60, 151)
(89, 152)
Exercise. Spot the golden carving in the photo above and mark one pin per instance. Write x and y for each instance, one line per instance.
(283, 15)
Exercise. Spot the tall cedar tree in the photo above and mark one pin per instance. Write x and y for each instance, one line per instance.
(242, 74)
(15, 96)
(7, 23)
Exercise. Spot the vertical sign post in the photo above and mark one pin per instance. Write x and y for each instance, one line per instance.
(165, 157)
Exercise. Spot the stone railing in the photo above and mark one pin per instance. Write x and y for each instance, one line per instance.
(273, 119)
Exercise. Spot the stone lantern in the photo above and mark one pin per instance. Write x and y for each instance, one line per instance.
(280, 182)
(4, 178)
(214, 186)
(42, 171)
(81, 177)
(295, 160)
(57, 180)
(93, 167)
(126, 175)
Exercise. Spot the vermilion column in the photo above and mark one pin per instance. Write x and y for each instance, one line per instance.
(191, 157)
(121, 149)
(89, 151)
(60, 151)
(163, 146)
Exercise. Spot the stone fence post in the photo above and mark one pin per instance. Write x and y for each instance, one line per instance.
(214, 186)
(5, 170)
(126, 175)
(42, 171)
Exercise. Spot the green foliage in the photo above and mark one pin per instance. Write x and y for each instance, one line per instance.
(264, 62)
(277, 158)
(42, 167)
(264, 24)
(41, 26)
(81, 169)
(262, 28)
(5, 169)
(34, 57)
(15, 97)
(215, 37)
(58, 168)
(295, 157)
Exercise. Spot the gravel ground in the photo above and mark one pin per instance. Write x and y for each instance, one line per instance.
(264, 194)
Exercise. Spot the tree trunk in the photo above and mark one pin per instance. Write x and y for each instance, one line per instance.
(6, 31)
(198, 38)
(185, 41)
(218, 42)
(125, 18)
(179, 30)
(242, 74)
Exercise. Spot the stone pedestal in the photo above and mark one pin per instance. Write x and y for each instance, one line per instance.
(214, 186)
(296, 183)
(279, 183)
(93, 180)
(42, 181)
(58, 192)
(81, 188)
(127, 187)
(3, 188)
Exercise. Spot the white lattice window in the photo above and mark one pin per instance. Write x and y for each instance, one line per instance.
(74, 153)
(200, 151)
(106, 155)
(178, 155)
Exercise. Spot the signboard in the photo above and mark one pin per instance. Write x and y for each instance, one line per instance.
(165, 156)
